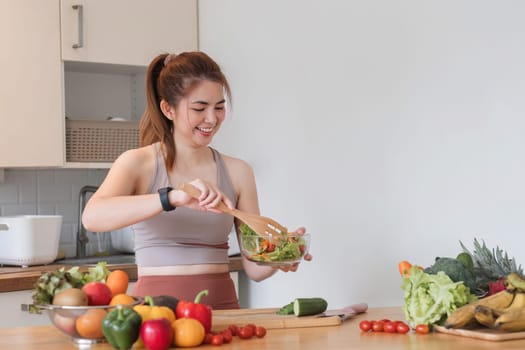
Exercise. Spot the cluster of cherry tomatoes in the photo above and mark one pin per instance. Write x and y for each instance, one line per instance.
(225, 336)
(389, 326)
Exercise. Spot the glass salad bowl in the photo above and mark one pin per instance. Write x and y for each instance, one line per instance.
(82, 323)
(274, 250)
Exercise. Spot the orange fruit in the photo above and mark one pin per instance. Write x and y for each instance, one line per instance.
(122, 299)
(89, 324)
(187, 332)
(117, 281)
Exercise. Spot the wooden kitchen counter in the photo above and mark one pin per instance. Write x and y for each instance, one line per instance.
(345, 336)
(23, 278)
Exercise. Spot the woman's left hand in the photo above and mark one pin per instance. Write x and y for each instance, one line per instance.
(307, 256)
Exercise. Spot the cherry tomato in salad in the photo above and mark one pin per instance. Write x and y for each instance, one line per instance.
(422, 329)
(402, 327)
(365, 325)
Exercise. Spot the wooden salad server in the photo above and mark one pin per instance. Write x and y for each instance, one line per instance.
(262, 225)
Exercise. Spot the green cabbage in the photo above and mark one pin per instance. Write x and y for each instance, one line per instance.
(430, 298)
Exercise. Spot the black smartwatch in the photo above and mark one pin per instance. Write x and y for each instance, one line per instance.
(164, 200)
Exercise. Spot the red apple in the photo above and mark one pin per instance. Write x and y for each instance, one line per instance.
(98, 293)
(156, 334)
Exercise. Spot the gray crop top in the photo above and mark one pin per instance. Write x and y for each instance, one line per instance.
(184, 236)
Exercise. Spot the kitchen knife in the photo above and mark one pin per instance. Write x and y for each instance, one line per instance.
(347, 311)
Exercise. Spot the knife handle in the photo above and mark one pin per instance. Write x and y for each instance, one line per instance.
(356, 308)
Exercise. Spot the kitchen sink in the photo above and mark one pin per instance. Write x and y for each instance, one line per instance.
(93, 260)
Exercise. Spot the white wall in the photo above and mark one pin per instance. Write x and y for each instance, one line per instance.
(390, 129)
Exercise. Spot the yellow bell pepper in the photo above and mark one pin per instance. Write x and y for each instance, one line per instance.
(150, 311)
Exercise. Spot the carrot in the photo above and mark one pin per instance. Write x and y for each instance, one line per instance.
(404, 268)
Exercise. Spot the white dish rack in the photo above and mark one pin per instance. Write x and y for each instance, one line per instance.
(29, 239)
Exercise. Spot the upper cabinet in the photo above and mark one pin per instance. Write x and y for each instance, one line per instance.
(81, 59)
(31, 87)
(126, 32)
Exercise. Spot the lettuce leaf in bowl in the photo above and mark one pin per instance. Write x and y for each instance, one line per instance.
(430, 298)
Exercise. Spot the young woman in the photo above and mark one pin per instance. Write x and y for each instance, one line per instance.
(181, 244)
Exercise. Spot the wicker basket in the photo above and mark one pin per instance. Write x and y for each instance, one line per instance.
(99, 141)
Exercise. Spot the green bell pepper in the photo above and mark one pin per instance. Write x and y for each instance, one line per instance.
(121, 327)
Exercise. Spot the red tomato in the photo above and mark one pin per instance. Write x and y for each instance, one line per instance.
(390, 327)
(245, 332)
(217, 339)
(207, 338)
(402, 327)
(227, 335)
(252, 326)
(260, 332)
(422, 329)
(377, 326)
(365, 325)
(234, 329)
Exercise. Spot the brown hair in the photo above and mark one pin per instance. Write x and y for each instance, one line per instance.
(171, 77)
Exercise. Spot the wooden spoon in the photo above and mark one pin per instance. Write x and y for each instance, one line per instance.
(262, 225)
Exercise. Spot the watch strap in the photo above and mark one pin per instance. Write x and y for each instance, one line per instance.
(164, 200)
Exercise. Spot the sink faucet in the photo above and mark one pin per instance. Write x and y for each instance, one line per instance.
(82, 238)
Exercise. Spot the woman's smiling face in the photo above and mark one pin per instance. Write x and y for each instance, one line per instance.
(199, 115)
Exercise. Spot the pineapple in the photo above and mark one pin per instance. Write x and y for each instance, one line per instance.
(490, 266)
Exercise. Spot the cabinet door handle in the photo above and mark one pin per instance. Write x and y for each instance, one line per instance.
(80, 43)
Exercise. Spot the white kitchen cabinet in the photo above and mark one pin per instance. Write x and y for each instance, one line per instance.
(44, 79)
(126, 32)
(31, 87)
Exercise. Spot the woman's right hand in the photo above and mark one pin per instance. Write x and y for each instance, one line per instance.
(210, 197)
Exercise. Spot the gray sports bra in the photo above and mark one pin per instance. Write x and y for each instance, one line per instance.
(184, 236)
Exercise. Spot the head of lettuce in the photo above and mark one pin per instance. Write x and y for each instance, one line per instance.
(430, 298)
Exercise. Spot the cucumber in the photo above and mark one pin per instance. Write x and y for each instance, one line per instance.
(286, 309)
(309, 306)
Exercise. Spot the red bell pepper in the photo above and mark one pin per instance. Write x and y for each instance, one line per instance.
(196, 310)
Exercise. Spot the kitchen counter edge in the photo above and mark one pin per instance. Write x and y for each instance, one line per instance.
(14, 279)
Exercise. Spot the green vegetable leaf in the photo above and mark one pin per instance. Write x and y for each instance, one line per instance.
(97, 273)
(430, 298)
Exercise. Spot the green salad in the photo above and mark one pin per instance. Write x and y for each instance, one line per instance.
(272, 249)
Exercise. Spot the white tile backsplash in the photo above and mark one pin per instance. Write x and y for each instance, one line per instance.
(48, 191)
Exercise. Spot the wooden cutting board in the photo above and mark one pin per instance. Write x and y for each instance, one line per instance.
(482, 333)
(268, 318)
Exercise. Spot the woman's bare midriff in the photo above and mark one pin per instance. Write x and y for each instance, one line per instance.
(181, 270)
